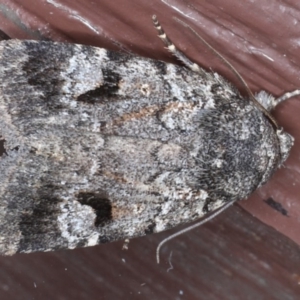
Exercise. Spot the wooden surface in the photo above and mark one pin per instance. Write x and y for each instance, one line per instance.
(239, 255)
(234, 257)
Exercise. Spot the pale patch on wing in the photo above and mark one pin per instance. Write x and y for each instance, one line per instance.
(76, 223)
(82, 74)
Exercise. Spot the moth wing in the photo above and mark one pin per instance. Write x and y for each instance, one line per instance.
(94, 149)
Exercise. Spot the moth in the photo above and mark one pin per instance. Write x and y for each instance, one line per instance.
(101, 146)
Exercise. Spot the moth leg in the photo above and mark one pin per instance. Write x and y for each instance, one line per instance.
(171, 47)
(286, 96)
(269, 102)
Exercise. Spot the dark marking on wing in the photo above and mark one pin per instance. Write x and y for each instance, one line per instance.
(150, 228)
(161, 67)
(108, 88)
(101, 205)
(38, 224)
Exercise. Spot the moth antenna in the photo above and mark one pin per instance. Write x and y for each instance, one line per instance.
(286, 96)
(213, 215)
(231, 67)
(172, 48)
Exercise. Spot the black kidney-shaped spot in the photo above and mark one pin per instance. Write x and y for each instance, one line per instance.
(101, 205)
(108, 88)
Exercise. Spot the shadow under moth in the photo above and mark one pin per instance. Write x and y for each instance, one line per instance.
(101, 146)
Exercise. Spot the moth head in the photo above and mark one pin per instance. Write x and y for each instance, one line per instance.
(286, 142)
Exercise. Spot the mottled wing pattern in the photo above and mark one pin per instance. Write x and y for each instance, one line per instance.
(101, 146)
